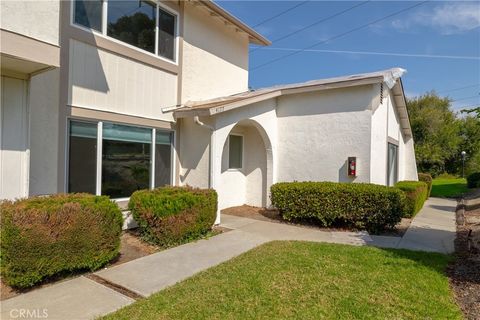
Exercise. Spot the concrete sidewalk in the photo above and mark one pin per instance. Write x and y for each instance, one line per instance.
(432, 230)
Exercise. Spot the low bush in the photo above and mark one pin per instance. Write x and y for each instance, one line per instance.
(427, 178)
(172, 215)
(45, 236)
(473, 180)
(358, 205)
(416, 193)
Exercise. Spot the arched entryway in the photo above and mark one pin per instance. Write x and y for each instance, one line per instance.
(246, 166)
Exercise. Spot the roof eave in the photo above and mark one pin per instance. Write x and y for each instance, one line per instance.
(253, 35)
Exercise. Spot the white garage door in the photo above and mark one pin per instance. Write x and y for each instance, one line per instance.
(14, 139)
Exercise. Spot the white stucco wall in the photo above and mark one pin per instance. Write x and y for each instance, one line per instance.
(43, 102)
(318, 131)
(215, 57)
(194, 153)
(14, 152)
(378, 154)
(35, 19)
(104, 81)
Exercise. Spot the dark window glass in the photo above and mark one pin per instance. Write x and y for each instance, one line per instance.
(166, 34)
(82, 167)
(88, 13)
(163, 158)
(132, 22)
(125, 160)
(235, 152)
(392, 174)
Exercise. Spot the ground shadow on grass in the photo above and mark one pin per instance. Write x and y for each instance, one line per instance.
(453, 190)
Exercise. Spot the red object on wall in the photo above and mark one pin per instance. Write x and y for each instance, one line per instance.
(352, 166)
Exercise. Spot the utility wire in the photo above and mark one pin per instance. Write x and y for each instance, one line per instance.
(315, 23)
(466, 98)
(461, 88)
(339, 35)
(281, 13)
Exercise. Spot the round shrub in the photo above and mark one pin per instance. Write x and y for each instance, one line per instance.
(416, 192)
(44, 236)
(473, 180)
(359, 205)
(427, 178)
(171, 215)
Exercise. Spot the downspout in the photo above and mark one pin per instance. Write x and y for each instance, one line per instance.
(197, 121)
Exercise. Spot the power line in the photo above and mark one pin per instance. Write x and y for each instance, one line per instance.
(461, 88)
(340, 35)
(281, 13)
(315, 23)
(396, 54)
(465, 98)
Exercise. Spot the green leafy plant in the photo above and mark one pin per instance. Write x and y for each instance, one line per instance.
(171, 215)
(427, 178)
(359, 205)
(473, 180)
(416, 194)
(45, 236)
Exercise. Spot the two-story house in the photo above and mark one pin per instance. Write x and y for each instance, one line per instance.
(108, 97)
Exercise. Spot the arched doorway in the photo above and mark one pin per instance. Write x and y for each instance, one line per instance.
(246, 166)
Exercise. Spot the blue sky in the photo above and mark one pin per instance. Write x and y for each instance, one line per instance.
(449, 29)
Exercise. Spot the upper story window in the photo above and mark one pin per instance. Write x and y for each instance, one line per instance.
(142, 24)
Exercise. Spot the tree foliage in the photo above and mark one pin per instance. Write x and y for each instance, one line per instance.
(440, 135)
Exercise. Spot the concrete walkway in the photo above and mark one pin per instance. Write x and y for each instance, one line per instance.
(81, 298)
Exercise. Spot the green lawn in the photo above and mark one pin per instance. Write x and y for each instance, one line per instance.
(305, 280)
(442, 187)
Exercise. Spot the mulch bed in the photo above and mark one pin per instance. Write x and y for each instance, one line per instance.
(272, 215)
(464, 271)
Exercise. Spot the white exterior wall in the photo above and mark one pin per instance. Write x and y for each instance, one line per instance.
(14, 153)
(104, 81)
(194, 153)
(215, 57)
(35, 19)
(378, 165)
(318, 131)
(386, 124)
(43, 102)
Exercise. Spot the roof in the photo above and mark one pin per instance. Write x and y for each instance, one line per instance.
(230, 20)
(390, 77)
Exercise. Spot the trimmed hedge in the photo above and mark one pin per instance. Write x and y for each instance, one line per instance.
(45, 236)
(416, 192)
(171, 215)
(427, 178)
(473, 180)
(359, 205)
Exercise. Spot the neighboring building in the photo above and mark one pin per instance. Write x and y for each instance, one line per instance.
(99, 97)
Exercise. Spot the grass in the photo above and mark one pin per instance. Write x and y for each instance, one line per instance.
(448, 188)
(303, 280)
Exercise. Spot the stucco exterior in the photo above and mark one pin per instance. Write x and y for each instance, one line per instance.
(34, 19)
(215, 58)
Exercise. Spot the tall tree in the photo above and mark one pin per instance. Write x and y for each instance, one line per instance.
(436, 132)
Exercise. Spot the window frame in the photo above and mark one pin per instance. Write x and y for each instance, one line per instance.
(104, 23)
(397, 160)
(99, 124)
(242, 155)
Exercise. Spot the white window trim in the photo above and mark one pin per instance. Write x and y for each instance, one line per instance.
(243, 152)
(103, 33)
(98, 182)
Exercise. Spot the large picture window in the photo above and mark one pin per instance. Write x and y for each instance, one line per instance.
(83, 157)
(127, 158)
(143, 24)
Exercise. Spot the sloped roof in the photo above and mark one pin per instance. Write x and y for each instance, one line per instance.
(230, 20)
(390, 77)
